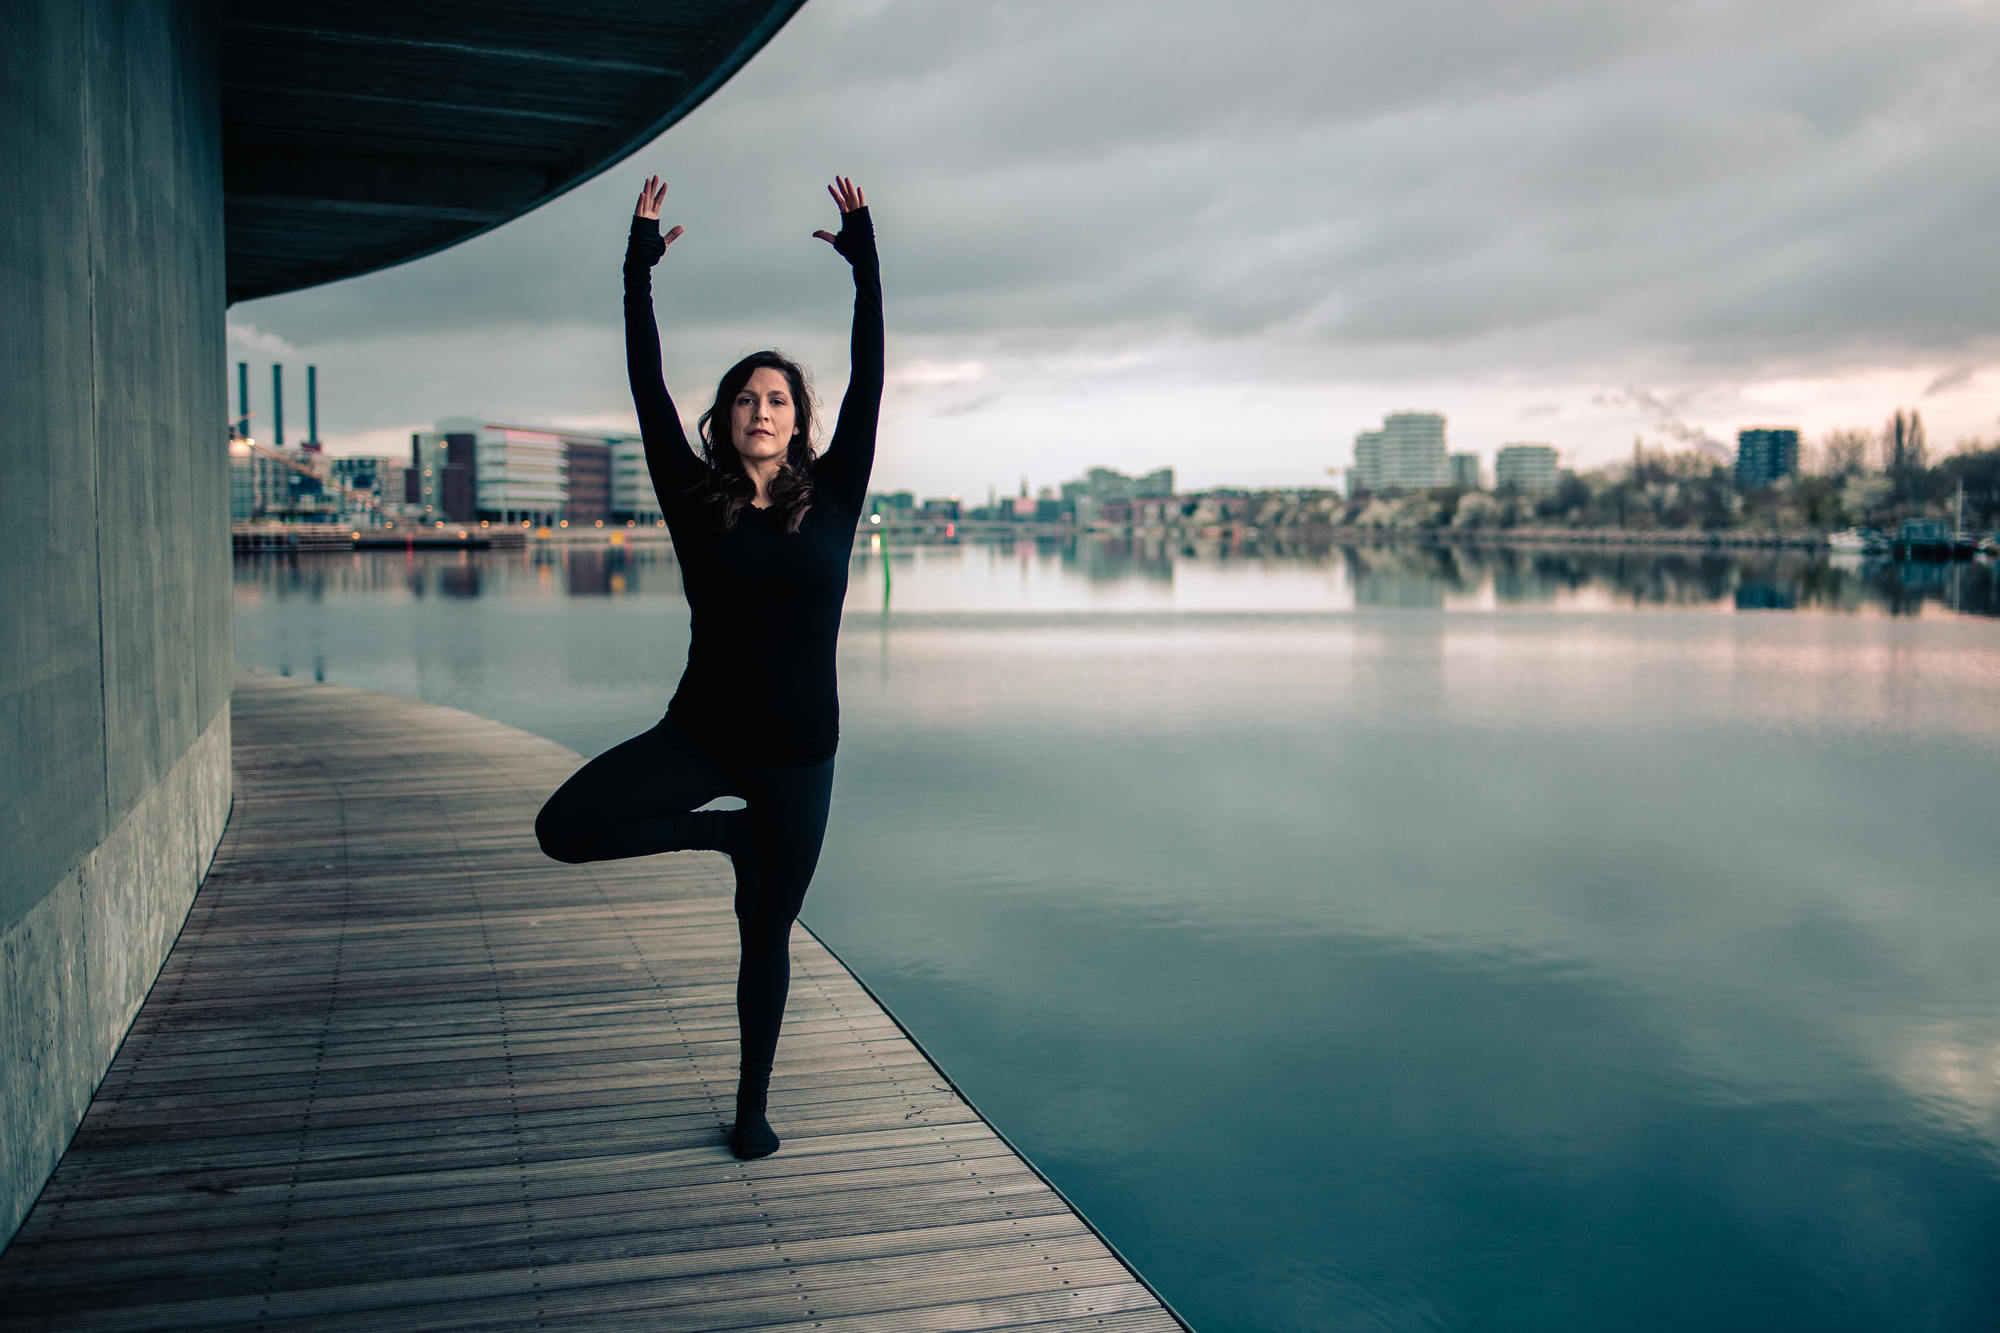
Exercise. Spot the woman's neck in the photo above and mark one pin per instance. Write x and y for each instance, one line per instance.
(762, 472)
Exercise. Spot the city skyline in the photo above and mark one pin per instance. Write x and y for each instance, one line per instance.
(1374, 455)
(1691, 223)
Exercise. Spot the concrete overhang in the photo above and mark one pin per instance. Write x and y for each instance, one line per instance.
(362, 133)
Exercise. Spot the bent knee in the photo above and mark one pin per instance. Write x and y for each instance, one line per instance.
(557, 842)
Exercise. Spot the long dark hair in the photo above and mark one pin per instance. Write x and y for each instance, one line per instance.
(730, 486)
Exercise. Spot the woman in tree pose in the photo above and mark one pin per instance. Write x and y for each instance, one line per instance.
(762, 527)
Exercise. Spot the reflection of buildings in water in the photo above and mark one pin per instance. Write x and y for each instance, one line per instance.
(1701, 578)
(1905, 585)
(597, 571)
(458, 573)
(1384, 576)
(1110, 558)
(1538, 575)
(1767, 585)
(1509, 570)
(1973, 588)
(308, 579)
(1410, 574)
(461, 580)
(1447, 565)
(1763, 595)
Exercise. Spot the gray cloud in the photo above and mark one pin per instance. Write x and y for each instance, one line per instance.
(1955, 378)
(1581, 191)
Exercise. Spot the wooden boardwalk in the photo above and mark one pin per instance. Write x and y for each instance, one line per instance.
(401, 1071)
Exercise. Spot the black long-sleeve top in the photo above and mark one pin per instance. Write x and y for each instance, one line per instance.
(764, 603)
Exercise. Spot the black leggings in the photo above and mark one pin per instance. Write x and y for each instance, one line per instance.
(635, 799)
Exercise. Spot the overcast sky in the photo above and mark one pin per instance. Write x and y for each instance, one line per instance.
(1226, 238)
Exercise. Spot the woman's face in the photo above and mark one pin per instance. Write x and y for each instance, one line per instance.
(762, 419)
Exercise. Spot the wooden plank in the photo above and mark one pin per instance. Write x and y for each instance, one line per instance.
(402, 1071)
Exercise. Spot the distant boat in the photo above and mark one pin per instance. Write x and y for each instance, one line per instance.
(1856, 541)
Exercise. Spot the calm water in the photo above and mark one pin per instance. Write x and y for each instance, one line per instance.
(1386, 938)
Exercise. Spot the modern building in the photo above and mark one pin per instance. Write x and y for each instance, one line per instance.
(1525, 467)
(469, 469)
(632, 497)
(256, 149)
(1407, 453)
(1765, 455)
(586, 480)
(1465, 471)
(1102, 484)
(439, 484)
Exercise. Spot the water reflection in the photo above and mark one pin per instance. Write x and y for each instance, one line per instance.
(593, 570)
(1127, 573)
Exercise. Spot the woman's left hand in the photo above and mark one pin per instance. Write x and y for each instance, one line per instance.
(848, 195)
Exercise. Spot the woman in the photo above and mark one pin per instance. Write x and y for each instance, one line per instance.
(762, 529)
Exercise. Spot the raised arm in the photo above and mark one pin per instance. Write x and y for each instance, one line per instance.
(675, 469)
(850, 455)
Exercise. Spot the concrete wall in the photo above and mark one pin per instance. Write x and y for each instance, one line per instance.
(114, 536)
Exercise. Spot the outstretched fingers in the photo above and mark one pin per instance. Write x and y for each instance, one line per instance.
(847, 197)
(650, 195)
(846, 194)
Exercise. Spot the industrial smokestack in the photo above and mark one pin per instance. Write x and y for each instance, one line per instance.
(243, 398)
(277, 403)
(312, 408)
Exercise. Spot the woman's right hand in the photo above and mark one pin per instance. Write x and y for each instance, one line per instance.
(650, 195)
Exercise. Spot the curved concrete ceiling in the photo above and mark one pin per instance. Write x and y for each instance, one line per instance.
(361, 133)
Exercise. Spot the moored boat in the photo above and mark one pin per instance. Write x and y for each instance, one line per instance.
(1856, 541)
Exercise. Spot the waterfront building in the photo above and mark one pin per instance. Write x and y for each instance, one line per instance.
(500, 470)
(586, 480)
(1406, 453)
(1465, 471)
(1525, 467)
(1764, 455)
(632, 497)
(259, 484)
(359, 478)
(424, 480)
(470, 469)
(1102, 484)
